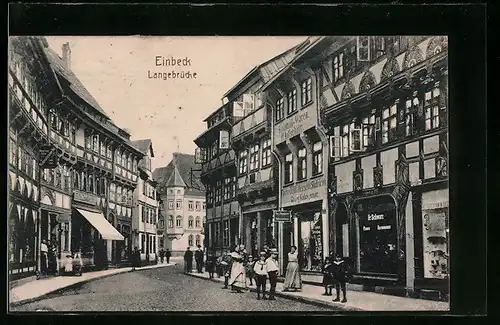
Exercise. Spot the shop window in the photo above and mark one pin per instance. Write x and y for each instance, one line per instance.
(369, 132)
(317, 167)
(292, 101)
(306, 91)
(178, 222)
(170, 204)
(338, 67)
(302, 164)
(198, 240)
(266, 152)
(254, 157)
(170, 221)
(432, 108)
(289, 168)
(190, 222)
(190, 240)
(243, 163)
(311, 243)
(198, 222)
(190, 205)
(389, 123)
(280, 109)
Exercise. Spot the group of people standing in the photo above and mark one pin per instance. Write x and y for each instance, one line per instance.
(188, 260)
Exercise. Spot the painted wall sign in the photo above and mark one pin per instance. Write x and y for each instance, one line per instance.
(296, 124)
(374, 217)
(309, 191)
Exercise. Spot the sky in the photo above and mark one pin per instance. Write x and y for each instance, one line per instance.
(169, 112)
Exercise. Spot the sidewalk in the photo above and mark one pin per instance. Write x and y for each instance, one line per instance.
(357, 300)
(38, 289)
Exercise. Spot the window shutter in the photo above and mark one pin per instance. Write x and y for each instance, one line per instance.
(238, 110)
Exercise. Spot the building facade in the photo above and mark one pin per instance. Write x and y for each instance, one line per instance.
(218, 174)
(80, 166)
(146, 207)
(183, 204)
(301, 146)
(384, 103)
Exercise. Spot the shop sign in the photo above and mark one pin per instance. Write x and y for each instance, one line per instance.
(85, 197)
(48, 157)
(282, 216)
(309, 191)
(296, 124)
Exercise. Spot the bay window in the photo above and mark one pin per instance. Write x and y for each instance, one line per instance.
(317, 167)
(170, 221)
(280, 109)
(178, 222)
(266, 152)
(411, 115)
(243, 163)
(432, 108)
(389, 122)
(289, 168)
(306, 91)
(292, 101)
(302, 164)
(254, 157)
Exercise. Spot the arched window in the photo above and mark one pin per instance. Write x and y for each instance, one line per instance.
(170, 221)
(198, 240)
(190, 222)
(190, 240)
(178, 222)
(198, 222)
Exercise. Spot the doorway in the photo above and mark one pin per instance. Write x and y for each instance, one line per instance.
(342, 231)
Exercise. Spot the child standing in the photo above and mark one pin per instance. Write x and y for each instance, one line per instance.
(249, 269)
(226, 269)
(339, 272)
(260, 271)
(328, 280)
(272, 272)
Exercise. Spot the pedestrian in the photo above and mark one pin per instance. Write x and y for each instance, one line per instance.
(44, 257)
(226, 269)
(328, 281)
(292, 275)
(168, 253)
(340, 276)
(188, 261)
(53, 267)
(198, 257)
(272, 272)
(210, 264)
(260, 271)
(267, 250)
(136, 258)
(238, 275)
(249, 269)
(162, 255)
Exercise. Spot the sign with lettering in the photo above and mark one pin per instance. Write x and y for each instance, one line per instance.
(296, 124)
(223, 139)
(48, 157)
(85, 197)
(309, 191)
(374, 217)
(282, 216)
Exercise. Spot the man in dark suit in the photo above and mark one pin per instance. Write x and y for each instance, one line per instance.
(198, 256)
(168, 253)
(188, 261)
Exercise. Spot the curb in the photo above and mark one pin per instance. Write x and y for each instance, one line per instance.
(74, 285)
(310, 301)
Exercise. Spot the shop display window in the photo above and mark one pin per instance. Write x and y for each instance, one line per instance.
(311, 244)
(435, 242)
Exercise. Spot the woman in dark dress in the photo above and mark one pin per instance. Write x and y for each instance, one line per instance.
(328, 280)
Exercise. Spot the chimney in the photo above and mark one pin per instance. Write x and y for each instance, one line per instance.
(66, 55)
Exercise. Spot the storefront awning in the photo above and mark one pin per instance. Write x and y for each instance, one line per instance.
(98, 221)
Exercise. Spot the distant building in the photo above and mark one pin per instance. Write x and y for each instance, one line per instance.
(145, 219)
(183, 204)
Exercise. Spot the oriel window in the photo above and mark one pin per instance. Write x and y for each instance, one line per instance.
(254, 157)
(302, 164)
(292, 101)
(280, 109)
(317, 158)
(289, 168)
(306, 91)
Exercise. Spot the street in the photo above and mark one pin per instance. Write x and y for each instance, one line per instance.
(163, 289)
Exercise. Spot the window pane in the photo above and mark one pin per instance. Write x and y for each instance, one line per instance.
(317, 146)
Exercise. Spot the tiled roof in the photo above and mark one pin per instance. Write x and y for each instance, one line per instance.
(178, 171)
(143, 145)
(75, 84)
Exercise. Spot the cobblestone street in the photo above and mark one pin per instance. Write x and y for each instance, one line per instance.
(164, 289)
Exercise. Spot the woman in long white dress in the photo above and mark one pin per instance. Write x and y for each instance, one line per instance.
(292, 276)
(238, 273)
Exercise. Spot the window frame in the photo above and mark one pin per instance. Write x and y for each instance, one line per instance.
(302, 164)
(387, 130)
(317, 159)
(190, 222)
(171, 222)
(243, 162)
(178, 222)
(306, 91)
(178, 204)
(254, 157)
(191, 205)
(266, 159)
(171, 205)
(197, 222)
(280, 109)
(432, 109)
(288, 168)
(291, 98)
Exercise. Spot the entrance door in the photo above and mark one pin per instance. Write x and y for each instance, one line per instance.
(341, 231)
